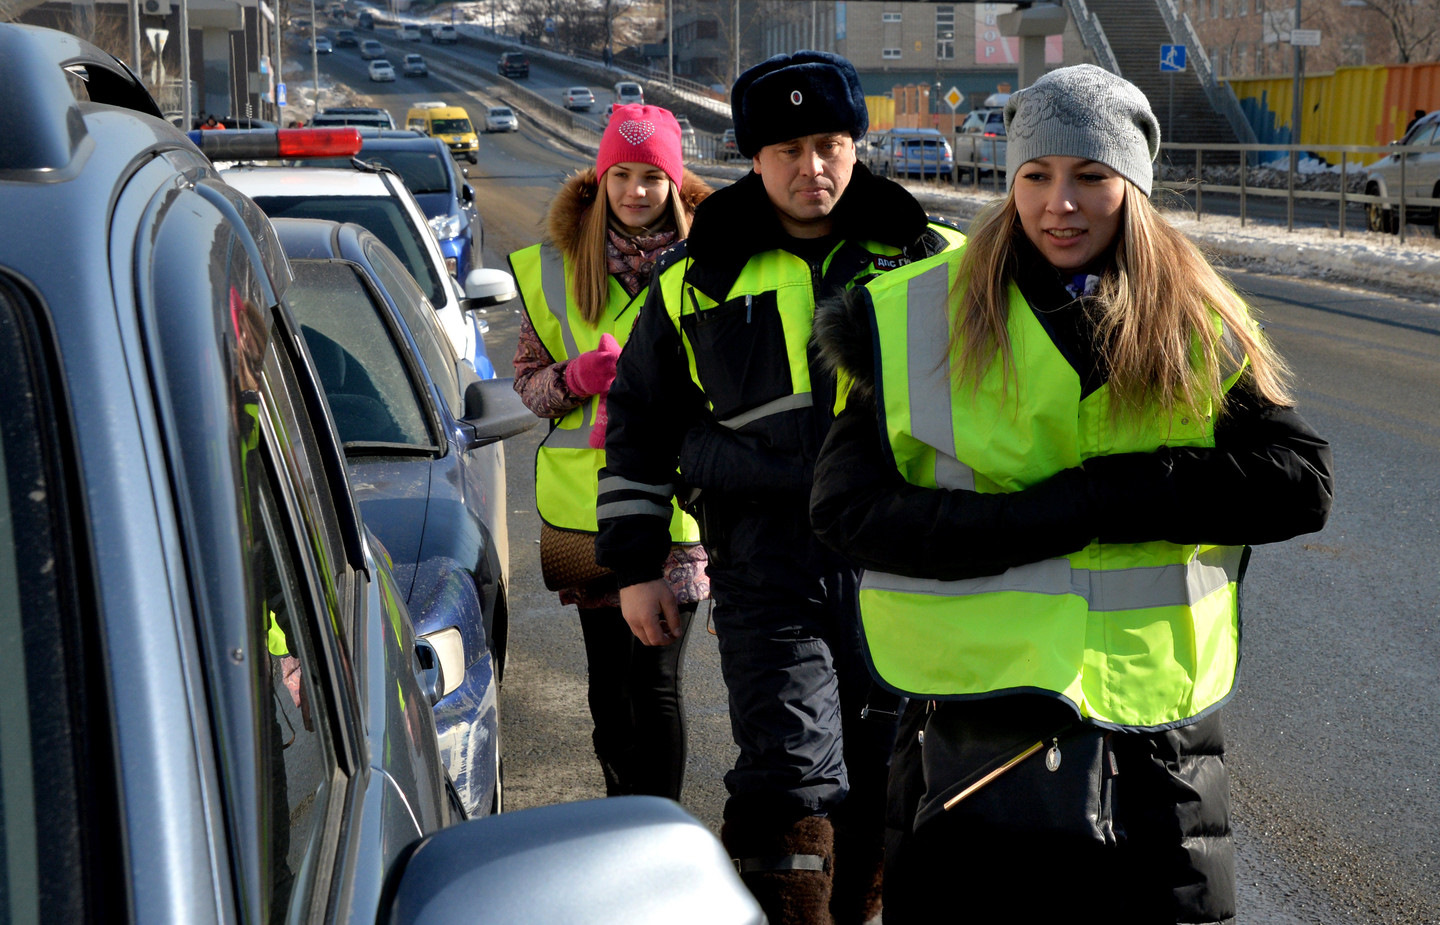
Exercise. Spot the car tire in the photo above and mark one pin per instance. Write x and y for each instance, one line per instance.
(473, 158)
(1378, 218)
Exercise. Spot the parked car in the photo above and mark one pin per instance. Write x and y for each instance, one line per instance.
(689, 146)
(420, 432)
(364, 116)
(176, 511)
(514, 64)
(438, 186)
(381, 70)
(320, 44)
(444, 33)
(501, 119)
(981, 140)
(727, 149)
(451, 124)
(906, 152)
(414, 66)
(628, 91)
(380, 201)
(578, 98)
(1422, 179)
(409, 33)
(365, 19)
(371, 49)
(346, 38)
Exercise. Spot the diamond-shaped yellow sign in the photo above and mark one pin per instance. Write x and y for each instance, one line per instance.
(953, 97)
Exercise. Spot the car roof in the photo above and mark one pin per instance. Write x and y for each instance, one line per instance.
(306, 181)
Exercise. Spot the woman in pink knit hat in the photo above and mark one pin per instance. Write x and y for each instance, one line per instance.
(582, 288)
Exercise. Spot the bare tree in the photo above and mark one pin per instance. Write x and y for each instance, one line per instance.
(1414, 25)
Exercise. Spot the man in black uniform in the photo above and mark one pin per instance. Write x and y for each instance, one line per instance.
(719, 381)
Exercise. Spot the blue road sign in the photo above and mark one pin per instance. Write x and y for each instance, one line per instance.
(1172, 58)
(280, 94)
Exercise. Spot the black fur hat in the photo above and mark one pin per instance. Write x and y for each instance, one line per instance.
(790, 96)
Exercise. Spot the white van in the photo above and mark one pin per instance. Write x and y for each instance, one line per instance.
(628, 91)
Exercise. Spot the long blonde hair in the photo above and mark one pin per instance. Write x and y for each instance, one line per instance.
(1154, 329)
(592, 275)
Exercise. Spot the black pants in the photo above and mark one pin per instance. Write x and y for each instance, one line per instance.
(636, 703)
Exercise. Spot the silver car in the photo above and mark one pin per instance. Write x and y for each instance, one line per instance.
(501, 119)
(1422, 179)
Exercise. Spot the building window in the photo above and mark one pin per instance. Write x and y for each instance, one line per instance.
(890, 17)
(1214, 9)
(1352, 50)
(706, 29)
(945, 32)
(1244, 7)
(889, 53)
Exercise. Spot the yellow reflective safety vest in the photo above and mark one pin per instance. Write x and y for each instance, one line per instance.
(566, 467)
(1140, 636)
(769, 308)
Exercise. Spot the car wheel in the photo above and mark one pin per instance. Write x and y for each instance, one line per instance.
(1378, 218)
(474, 158)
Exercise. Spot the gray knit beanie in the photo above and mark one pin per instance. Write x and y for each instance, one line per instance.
(1083, 111)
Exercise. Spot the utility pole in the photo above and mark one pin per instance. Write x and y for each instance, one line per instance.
(813, 28)
(186, 112)
(1297, 85)
(135, 38)
(670, 40)
(735, 75)
(314, 60)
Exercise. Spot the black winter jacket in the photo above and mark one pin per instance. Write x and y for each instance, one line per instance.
(658, 418)
(1268, 477)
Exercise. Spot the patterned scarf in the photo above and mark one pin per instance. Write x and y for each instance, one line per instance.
(630, 259)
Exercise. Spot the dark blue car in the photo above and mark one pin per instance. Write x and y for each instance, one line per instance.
(426, 482)
(439, 185)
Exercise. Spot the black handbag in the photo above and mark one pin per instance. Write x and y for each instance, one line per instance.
(997, 769)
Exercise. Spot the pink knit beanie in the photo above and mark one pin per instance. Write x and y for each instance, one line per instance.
(643, 134)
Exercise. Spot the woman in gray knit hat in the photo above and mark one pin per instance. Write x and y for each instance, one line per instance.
(1080, 430)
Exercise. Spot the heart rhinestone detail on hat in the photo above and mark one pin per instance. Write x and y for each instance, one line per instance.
(636, 131)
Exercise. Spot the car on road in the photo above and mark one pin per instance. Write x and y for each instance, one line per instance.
(1422, 179)
(450, 124)
(689, 146)
(377, 199)
(514, 64)
(370, 49)
(501, 119)
(444, 34)
(578, 98)
(321, 44)
(381, 70)
(408, 33)
(346, 38)
(439, 187)
(363, 116)
(421, 435)
(365, 19)
(628, 91)
(906, 152)
(727, 149)
(414, 66)
(980, 140)
(216, 704)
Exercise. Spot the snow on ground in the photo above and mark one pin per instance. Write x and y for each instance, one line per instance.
(1321, 253)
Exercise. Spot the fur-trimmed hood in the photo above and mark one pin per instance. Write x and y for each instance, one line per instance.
(578, 193)
(841, 332)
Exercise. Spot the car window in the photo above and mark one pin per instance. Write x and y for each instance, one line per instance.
(435, 351)
(422, 171)
(370, 392)
(41, 815)
(451, 126)
(381, 216)
(1422, 134)
(499, 111)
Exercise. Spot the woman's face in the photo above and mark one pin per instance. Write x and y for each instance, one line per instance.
(637, 193)
(1070, 209)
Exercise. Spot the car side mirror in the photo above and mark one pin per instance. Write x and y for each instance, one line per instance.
(467, 192)
(431, 676)
(494, 412)
(486, 287)
(638, 860)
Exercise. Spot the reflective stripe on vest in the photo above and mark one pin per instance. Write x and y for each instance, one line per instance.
(1134, 636)
(566, 466)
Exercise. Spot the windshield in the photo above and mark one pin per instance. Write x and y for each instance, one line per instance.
(422, 171)
(381, 216)
(500, 112)
(366, 382)
(451, 126)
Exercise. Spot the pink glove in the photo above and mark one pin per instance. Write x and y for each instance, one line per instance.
(602, 418)
(592, 372)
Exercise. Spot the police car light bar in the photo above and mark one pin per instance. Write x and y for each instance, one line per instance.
(268, 144)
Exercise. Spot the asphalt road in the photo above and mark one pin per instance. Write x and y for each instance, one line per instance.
(1333, 751)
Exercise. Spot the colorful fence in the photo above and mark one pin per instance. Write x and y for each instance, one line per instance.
(1351, 106)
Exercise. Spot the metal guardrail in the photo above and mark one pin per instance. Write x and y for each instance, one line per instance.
(1374, 203)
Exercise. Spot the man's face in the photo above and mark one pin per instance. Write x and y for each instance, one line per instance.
(805, 178)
